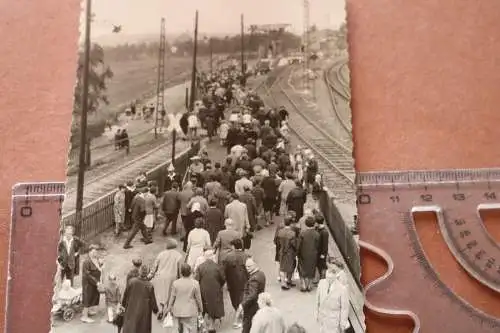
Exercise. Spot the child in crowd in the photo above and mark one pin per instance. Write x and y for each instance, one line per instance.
(113, 297)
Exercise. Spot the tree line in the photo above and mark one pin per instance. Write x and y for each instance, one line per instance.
(218, 45)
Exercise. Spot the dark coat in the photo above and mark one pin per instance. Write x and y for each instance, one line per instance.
(138, 209)
(255, 285)
(211, 279)
(214, 221)
(236, 275)
(322, 247)
(70, 258)
(91, 276)
(296, 200)
(308, 249)
(171, 203)
(139, 302)
(287, 245)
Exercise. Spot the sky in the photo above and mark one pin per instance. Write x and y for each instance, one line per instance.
(215, 16)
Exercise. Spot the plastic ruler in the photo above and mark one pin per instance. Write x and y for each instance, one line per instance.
(413, 285)
(36, 214)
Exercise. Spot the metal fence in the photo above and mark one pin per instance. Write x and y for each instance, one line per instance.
(341, 234)
(97, 216)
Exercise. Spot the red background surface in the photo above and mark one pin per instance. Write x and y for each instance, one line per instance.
(424, 95)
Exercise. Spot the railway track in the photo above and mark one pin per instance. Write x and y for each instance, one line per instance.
(106, 182)
(338, 88)
(336, 161)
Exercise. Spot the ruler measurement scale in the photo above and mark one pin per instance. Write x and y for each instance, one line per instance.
(456, 197)
(36, 216)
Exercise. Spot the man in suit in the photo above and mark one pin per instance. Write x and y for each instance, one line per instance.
(171, 206)
(237, 211)
(138, 214)
(68, 254)
(255, 285)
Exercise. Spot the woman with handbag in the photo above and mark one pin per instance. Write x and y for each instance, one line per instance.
(91, 284)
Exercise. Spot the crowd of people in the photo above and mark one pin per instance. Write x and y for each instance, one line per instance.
(221, 204)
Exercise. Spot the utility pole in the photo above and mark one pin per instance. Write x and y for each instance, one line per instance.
(83, 120)
(306, 44)
(193, 74)
(243, 67)
(211, 54)
(160, 85)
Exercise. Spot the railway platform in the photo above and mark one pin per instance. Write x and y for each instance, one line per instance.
(296, 306)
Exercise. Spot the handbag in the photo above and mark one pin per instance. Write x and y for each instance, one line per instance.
(168, 321)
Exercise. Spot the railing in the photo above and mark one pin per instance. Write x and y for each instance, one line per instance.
(97, 216)
(341, 234)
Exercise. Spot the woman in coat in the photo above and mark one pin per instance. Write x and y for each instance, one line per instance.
(332, 299)
(91, 282)
(308, 253)
(211, 279)
(198, 240)
(185, 301)
(119, 208)
(222, 244)
(165, 270)
(139, 302)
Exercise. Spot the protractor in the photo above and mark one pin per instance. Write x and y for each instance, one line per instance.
(416, 220)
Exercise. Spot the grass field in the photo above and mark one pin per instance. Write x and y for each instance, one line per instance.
(137, 79)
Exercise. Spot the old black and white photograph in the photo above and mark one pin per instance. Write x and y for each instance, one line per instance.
(210, 180)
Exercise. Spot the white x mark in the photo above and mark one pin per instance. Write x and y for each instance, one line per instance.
(174, 122)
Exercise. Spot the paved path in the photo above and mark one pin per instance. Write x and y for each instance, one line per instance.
(295, 305)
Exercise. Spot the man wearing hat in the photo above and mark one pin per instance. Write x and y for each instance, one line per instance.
(172, 177)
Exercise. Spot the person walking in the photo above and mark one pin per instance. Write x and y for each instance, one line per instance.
(139, 302)
(237, 212)
(308, 253)
(222, 244)
(296, 199)
(119, 209)
(214, 220)
(184, 197)
(286, 245)
(91, 284)
(236, 274)
(138, 215)
(268, 319)
(211, 279)
(185, 302)
(171, 205)
(255, 285)
(165, 270)
(198, 240)
(332, 301)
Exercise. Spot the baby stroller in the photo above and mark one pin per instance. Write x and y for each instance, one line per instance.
(67, 303)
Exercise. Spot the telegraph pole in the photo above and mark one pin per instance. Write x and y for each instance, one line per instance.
(193, 74)
(160, 85)
(243, 69)
(83, 120)
(211, 54)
